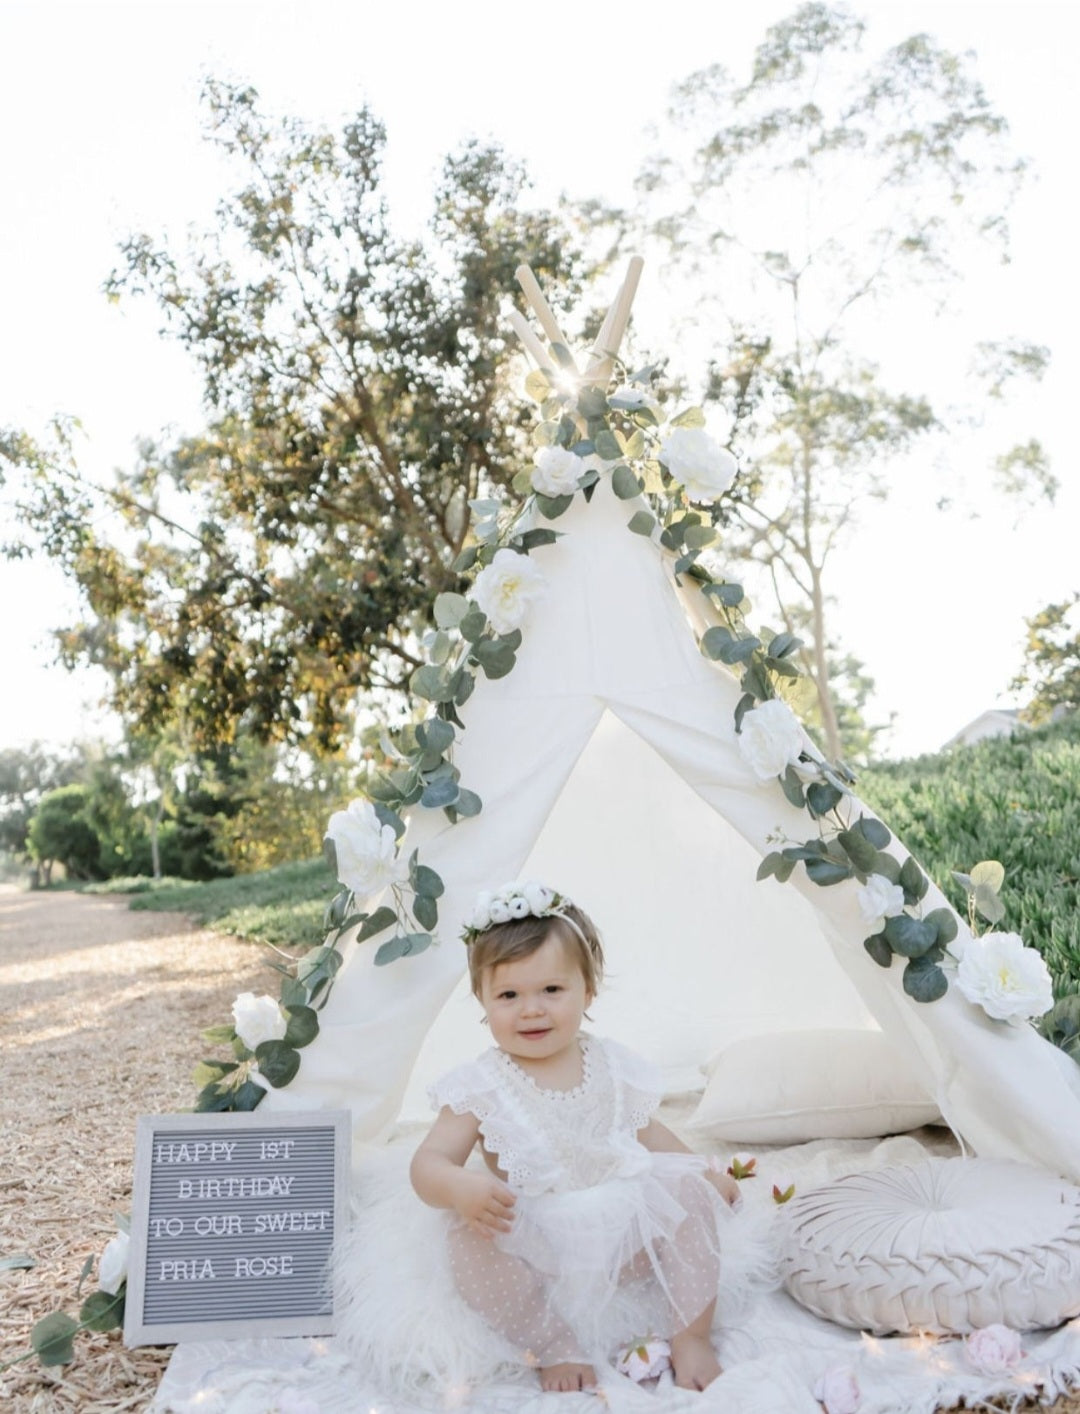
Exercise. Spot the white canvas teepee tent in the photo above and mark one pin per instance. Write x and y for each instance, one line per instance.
(608, 766)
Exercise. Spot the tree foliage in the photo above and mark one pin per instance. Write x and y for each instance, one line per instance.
(813, 203)
(278, 563)
(1051, 671)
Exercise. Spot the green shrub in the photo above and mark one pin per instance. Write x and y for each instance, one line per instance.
(1014, 799)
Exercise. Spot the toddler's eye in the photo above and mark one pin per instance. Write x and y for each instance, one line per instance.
(552, 987)
(507, 996)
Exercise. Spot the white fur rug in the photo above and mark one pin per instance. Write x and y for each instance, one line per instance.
(774, 1353)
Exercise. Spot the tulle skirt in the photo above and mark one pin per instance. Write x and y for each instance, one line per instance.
(424, 1303)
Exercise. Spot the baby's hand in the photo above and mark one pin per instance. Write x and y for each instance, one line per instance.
(485, 1202)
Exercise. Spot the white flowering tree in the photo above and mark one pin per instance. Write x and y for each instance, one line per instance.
(602, 420)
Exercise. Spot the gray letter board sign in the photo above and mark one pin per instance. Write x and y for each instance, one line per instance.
(233, 1224)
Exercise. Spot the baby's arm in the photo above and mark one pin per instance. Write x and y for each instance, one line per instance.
(441, 1180)
(658, 1139)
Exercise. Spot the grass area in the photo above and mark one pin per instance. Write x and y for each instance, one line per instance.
(282, 906)
(1014, 799)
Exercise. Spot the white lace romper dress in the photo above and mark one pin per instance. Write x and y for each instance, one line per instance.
(598, 1219)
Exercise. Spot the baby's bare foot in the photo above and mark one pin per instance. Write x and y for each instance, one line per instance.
(567, 1377)
(694, 1361)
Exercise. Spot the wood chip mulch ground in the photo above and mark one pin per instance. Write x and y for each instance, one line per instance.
(100, 1015)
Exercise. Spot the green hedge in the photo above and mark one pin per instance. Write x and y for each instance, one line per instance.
(1014, 799)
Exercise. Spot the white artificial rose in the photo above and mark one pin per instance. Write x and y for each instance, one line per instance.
(838, 1390)
(557, 472)
(539, 898)
(258, 1019)
(519, 907)
(506, 588)
(697, 462)
(993, 1350)
(878, 900)
(481, 914)
(113, 1267)
(500, 911)
(1008, 980)
(770, 739)
(367, 852)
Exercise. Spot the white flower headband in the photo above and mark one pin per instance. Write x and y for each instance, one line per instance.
(514, 901)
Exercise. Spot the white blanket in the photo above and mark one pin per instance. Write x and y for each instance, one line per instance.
(773, 1357)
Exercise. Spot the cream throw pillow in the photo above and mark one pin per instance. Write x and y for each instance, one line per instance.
(944, 1246)
(798, 1085)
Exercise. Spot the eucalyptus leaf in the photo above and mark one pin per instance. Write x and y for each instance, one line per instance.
(329, 850)
(988, 874)
(625, 483)
(988, 904)
(782, 668)
(755, 682)
(537, 385)
(858, 849)
(303, 1026)
(635, 445)
(18, 1262)
(607, 447)
(887, 866)
(386, 816)
(592, 402)
(435, 734)
(427, 882)
(698, 536)
(784, 870)
(910, 937)
(822, 798)
(943, 921)
(730, 594)
(450, 609)
(465, 560)
(379, 921)
(792, 787)
(739, 650)
(293, 993)
(468, 803)
(474, 623)
(463, 683)
(825, 872)
(51, 1338)
(691, 417)
(440, 793)
(553, 506)
(219, 1035)
(425, 911)
(429, 682)
(879, 950)
(964, 880)
(783, 644)
(872, 830)
(913, 881)
(769, 865)
(924, 980)
(278, 1062)
(531, 539)
(714, 639)
(642, 523)
(102, 1311)
(248, 1096)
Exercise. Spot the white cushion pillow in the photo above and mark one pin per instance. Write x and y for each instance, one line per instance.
(944, 1246)
(798, 1085)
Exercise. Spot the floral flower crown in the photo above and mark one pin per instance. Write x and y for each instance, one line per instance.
(511, 902)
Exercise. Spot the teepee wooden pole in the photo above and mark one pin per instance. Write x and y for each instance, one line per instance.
(532, 344)
(614, 325)
(535, 295)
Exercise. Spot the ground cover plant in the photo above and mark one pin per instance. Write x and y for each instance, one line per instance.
(1014, 799)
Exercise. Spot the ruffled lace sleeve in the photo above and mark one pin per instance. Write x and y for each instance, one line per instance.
(467, 1089)
(639, 1085)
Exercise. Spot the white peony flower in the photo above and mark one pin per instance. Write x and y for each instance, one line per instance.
(697, 462)
(838, 1390)
(367, 853)
(993, 1350)
(644, 1360)
(771, 739)
(878, 900)
(557, 472)
(258, 1019)
(113, 1267)
(505, 589)
(1008, 980)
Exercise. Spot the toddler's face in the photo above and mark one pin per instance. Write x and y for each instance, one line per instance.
(535, 1004)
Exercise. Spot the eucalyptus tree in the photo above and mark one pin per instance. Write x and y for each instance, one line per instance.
(812, 204)
(260, 573)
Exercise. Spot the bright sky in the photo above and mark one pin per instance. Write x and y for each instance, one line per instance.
(100, 136)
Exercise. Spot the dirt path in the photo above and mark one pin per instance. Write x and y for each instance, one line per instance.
(100, 1014)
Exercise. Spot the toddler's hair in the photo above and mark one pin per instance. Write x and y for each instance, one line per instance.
(520, 937)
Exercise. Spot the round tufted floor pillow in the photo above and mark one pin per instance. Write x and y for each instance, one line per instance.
(944, 1246)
